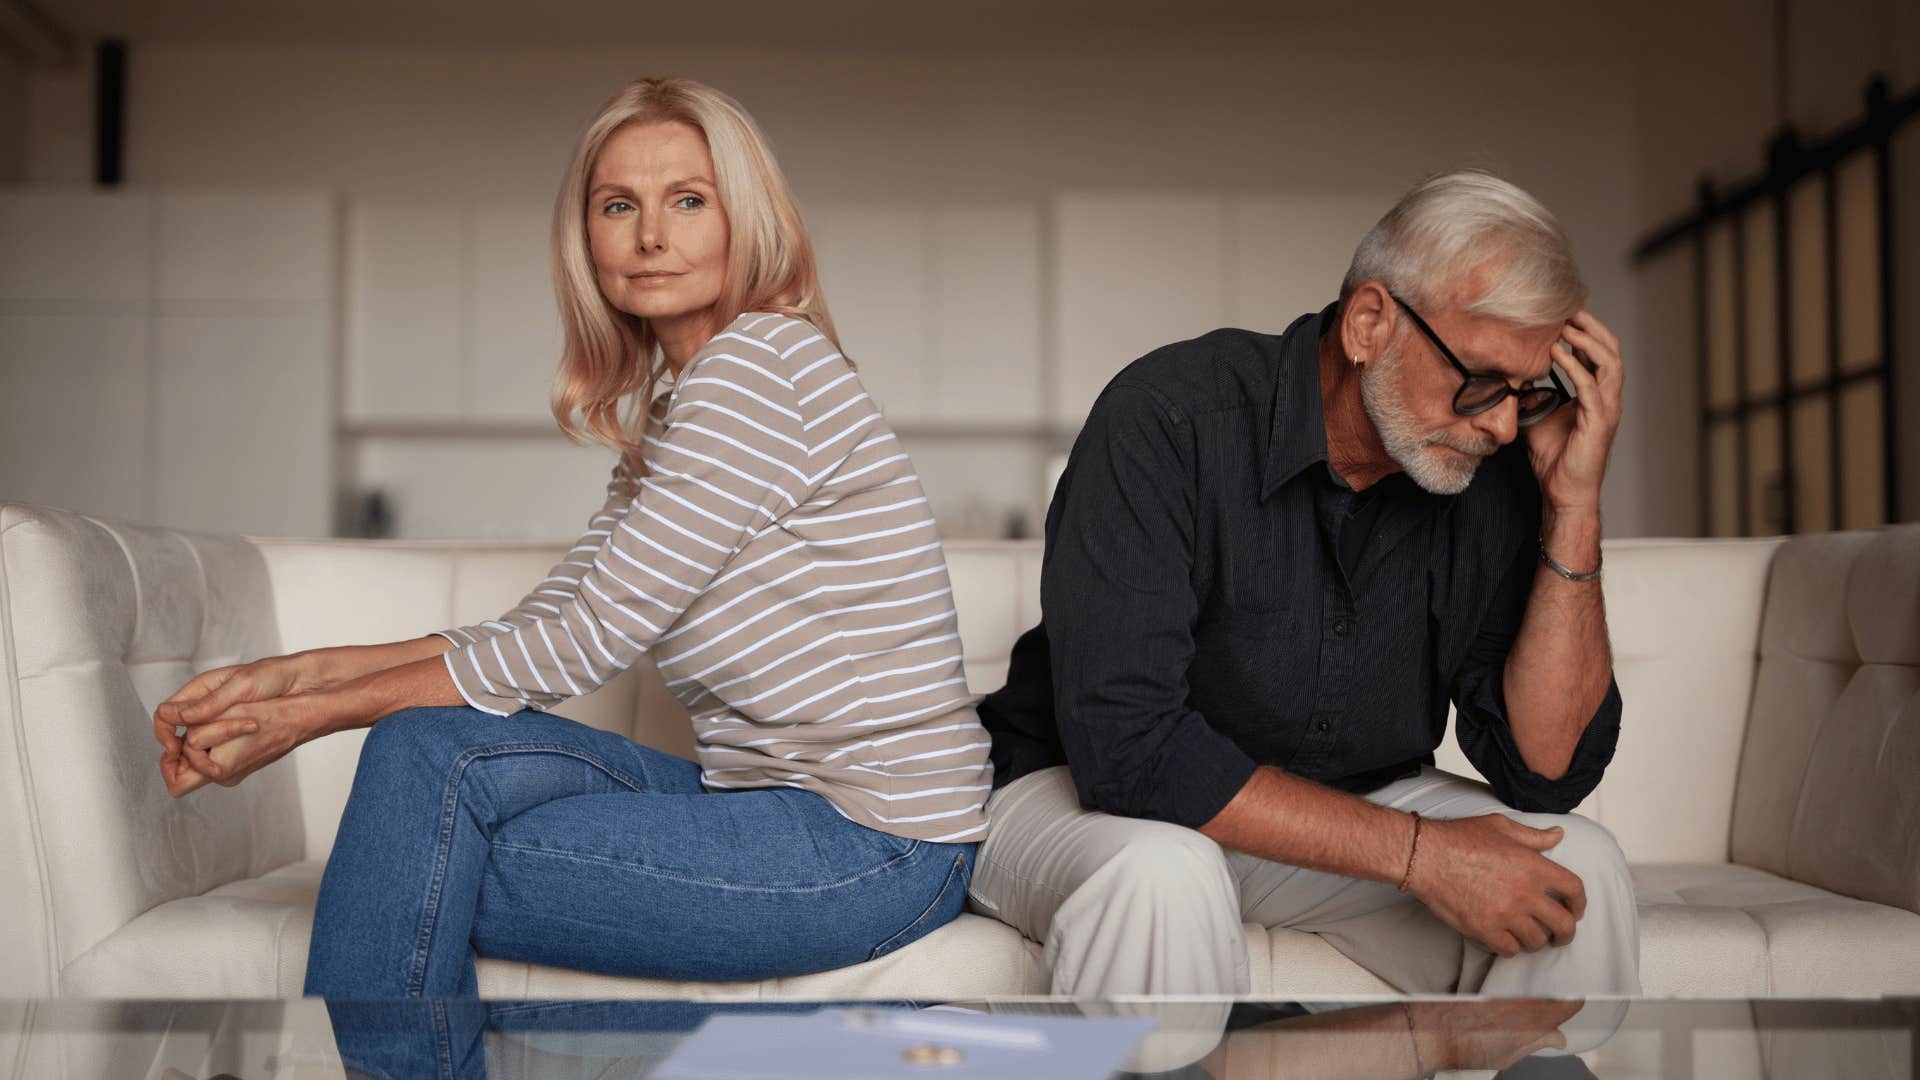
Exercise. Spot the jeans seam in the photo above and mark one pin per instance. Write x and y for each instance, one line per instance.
(711, 882)
(430, 911)
(882, 949)
(444, 1037)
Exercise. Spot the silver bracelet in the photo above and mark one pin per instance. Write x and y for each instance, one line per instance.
(1591, 575)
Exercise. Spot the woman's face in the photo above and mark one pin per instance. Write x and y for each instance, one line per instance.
(655, 226)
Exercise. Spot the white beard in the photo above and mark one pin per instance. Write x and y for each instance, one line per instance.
(1428, 457)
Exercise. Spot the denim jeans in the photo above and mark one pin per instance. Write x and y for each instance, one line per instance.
(535, 838)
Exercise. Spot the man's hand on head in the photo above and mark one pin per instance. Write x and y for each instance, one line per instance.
(1569, 449)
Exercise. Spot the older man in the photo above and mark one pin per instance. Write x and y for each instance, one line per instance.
(1270, 564)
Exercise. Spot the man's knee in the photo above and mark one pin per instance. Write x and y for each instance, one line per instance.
(1587, 848)
(1161, 914)
(1173, 870)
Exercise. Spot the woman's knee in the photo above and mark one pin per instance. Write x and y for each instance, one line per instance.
(425, 733)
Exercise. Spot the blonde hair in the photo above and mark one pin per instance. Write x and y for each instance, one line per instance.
(1456, 223)
(610, 356)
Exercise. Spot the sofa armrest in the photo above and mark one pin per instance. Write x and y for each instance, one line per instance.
(1826, 779)
(101, 621)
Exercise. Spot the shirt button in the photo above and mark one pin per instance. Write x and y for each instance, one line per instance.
(1340, 628)
(1322, 725)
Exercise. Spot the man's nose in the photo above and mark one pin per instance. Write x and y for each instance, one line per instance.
(1502, 421)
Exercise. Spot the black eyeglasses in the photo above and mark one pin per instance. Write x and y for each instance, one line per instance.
(1482, 392)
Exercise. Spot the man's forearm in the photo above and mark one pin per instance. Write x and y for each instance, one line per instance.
(1283, 818)
(1560, 664)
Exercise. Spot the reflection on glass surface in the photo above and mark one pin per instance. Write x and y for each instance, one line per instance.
(1192, 1039)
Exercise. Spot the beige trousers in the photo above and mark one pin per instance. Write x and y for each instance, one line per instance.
(1130, 906)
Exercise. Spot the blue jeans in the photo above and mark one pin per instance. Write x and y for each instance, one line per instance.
(536, 838)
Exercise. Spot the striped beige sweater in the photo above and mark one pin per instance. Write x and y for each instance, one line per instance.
(781, 567)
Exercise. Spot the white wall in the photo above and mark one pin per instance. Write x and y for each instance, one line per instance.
(1609, 120)
(59, 122)
(1124, 158)
(13, 120)
(166, 356)
(1710, 92)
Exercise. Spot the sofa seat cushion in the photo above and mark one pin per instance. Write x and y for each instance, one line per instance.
(1725, 929)
(244, 939)
(1705, 929)
(971, 957)
(248, 939)
(1303, 965)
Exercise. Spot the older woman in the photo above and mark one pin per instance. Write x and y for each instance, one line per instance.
(765, 541)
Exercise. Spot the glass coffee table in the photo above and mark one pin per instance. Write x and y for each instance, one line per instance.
(1189, 1039)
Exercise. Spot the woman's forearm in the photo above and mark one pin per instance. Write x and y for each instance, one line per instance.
(330, 667)
(360, 702)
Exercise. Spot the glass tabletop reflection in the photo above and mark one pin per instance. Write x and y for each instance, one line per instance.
(1188, 1039)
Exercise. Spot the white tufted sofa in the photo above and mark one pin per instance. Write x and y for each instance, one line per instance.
(1764, 786)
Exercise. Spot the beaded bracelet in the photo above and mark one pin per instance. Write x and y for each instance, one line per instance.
(1564, 572)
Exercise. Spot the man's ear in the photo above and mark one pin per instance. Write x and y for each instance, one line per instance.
(1366, 321)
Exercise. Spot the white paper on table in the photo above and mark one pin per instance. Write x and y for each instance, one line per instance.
(875, 1044)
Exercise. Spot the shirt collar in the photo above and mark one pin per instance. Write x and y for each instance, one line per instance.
(1297, 436)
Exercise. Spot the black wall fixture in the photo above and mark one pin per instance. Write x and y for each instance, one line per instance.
(110, 110)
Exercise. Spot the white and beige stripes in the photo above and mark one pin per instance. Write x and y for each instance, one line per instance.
(781, 566)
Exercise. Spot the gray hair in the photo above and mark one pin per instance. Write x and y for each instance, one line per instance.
(1453, 225)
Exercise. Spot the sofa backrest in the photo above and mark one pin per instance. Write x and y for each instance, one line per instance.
(101, 622)
(1683, 617)
(1830, 775)
(342, 592)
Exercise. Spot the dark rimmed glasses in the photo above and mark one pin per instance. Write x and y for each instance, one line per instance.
(1481, 392)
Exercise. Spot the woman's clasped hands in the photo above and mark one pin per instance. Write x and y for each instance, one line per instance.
(226, 723)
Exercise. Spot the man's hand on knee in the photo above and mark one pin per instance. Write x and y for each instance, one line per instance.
(1486, 877)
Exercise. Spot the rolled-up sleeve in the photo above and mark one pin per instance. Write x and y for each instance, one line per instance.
(1481, 725)
(1119, 604)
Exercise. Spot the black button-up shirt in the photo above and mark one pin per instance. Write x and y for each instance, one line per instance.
(1215, 597)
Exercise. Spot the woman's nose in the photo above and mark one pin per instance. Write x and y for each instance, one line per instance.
(651, 236)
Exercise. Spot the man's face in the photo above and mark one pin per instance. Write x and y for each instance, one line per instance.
(1408, 393)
